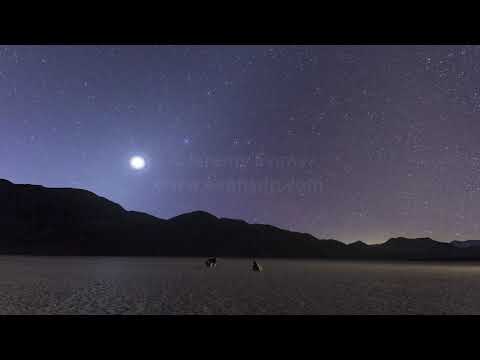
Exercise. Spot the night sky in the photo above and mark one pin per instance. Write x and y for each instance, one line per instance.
(345, 142)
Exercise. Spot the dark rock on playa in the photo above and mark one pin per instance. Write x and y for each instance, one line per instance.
(257, 267)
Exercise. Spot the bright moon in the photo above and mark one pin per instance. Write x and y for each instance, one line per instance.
(137, 162)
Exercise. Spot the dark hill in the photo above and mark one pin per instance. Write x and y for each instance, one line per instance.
(61, 221)
(358, 245)
(37, 220)
(466, 243)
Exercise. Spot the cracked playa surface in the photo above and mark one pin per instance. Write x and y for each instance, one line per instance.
(74, 285)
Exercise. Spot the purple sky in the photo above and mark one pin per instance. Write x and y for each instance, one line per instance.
(345, 142)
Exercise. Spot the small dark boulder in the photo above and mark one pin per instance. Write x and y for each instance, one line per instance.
(257, 267)
(212, 262)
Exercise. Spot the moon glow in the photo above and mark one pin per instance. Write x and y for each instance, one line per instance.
(137, 163)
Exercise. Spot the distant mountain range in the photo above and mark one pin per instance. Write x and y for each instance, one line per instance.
(35, 220)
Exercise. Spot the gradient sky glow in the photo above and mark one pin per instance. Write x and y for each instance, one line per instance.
(345, 142)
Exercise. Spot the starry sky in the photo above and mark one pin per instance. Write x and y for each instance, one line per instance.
(345, 142)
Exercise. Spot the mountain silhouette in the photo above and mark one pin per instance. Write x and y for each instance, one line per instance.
(36, 220)
(465, 243)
